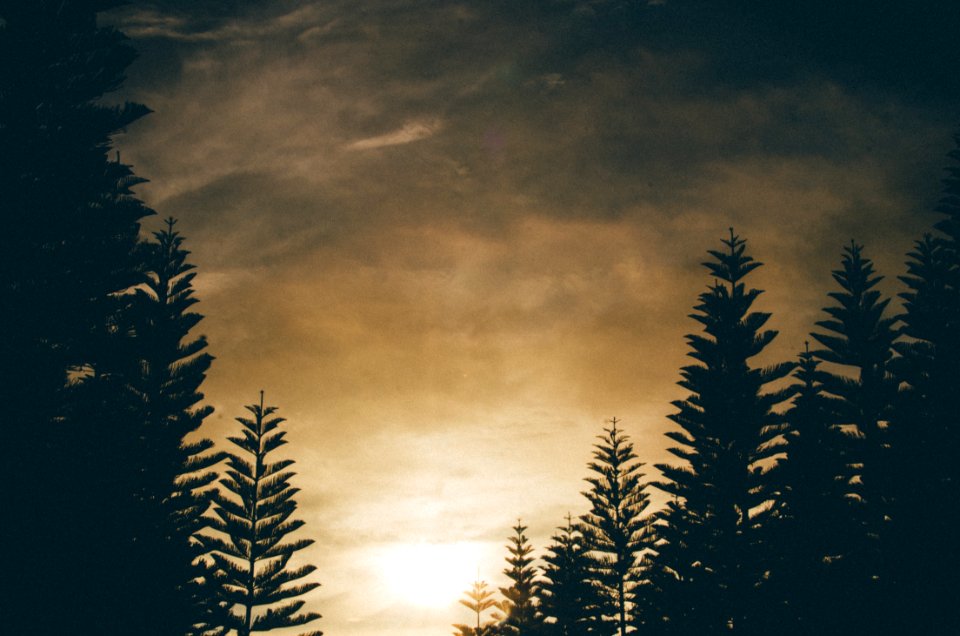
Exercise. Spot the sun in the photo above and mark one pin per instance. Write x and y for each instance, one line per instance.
(430, 575)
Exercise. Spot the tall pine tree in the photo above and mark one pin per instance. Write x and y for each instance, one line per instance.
(857, 340)
(615, 528)
(709, 563)
(66, 252)
(814, 529)
(923, 557)
(174, 492)
(254, 555)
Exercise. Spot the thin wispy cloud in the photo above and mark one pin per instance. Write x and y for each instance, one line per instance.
(408, 133)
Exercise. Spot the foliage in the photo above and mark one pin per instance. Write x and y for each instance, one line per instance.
(176, 474)
(614, 528)
(521, 615)
(858, 342)
(923, 560)
(254, 556)
(570, 600)
(479, 599)
(709, 560)
(814, 529)
(67, 252)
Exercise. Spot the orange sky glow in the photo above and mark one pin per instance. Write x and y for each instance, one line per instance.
(451, 242)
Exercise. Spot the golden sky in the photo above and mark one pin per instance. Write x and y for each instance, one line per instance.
(451, 239)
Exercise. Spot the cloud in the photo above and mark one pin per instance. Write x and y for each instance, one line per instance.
(409, 132)
(448, 331)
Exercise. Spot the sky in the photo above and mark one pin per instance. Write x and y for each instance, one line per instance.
(450, 240)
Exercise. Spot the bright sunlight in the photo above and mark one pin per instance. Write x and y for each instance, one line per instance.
(431, 574)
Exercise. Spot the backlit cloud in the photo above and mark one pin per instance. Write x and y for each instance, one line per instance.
(451, 239)
(409, 132)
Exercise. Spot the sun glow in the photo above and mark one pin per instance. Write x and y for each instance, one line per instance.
(431, 574)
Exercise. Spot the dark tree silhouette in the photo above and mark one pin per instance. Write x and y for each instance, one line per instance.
(66, 250)
(923, 555)
(254, 556)
(615, 528)
(570, 600)
(175, 474)
(814, 526)
(521, 614)
(859, 342)
(709, 561)
(479, 599)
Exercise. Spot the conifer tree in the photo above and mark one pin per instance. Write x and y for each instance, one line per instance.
(709, 562)
(859, 343)
(254, 556)
(813, 531)
(615, 528)
(66, 255)
(173, 490)
(479, 599)
(521, 614)
(922, 555)
(570, 601)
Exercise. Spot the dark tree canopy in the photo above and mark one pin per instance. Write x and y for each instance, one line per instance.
(570, 600)
(708, 564)
(857, 341)
(815, 527)
(924, 433)
(67, 252)
(176, 474)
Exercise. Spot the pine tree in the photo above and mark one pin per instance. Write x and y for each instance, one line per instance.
(615, 529)
(66, 252)
(922, 554)
(254, 557)
(479, 599)
(521, 615)
(859, 342)
(570, 601)
(709, 561)
(176, 473)
(813, 531)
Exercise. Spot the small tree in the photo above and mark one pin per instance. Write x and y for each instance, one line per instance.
(479, 598)
(522, 617)
(615, 529)
(254, 558)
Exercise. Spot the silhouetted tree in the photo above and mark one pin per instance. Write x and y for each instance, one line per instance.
(521, 614)
(66, 250)
(709, 561)
(859, 342)
(254, 556)
(814, 528)
(922, 553)
(479, 599)
(615, 529)
(176, 474)
(570, 600)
